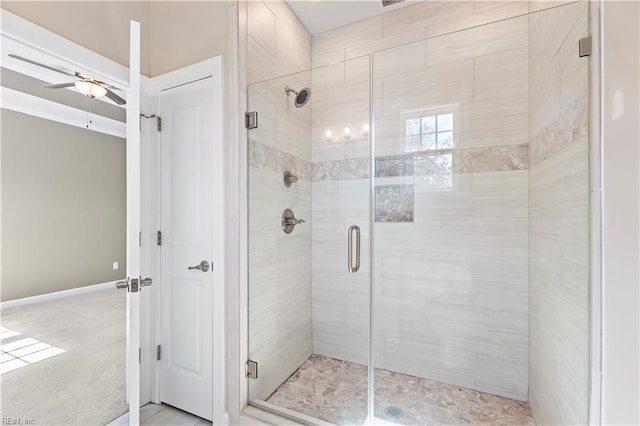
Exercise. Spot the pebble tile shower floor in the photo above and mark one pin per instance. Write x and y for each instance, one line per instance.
(336, 391)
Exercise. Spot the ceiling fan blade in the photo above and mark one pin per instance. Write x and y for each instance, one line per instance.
(115, 98)
(40, 65)
(58, 86)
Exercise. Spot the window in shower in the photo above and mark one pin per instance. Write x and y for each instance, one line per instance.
(434, 170)
(429, 132)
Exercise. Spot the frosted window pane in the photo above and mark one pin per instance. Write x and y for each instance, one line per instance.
(445, 140)
(413, 143)
(445, 122)
(413, 126)
(428, 124)
(429, 141)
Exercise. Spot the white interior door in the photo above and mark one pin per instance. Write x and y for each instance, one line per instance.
(186, 105)
(133, 284)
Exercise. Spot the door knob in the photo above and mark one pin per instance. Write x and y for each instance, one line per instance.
(203, 266)
(123, 284)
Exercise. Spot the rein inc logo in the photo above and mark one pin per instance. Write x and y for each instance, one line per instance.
(17, 421)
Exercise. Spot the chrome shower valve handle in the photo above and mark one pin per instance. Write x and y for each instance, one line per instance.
(289, 221)
(294, 222)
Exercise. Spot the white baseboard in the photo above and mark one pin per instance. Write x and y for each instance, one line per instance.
(56, 295)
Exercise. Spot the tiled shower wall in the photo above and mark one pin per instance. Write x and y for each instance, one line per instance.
(279, 264)
(559, 216)
(451, 292)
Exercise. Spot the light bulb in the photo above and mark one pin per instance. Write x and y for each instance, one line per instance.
(328, 136)
(347, 134)
(90, 89)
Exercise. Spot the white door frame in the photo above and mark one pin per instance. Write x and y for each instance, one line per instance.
(209, 68)
(133, 227)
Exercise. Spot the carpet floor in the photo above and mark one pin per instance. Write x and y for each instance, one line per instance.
(67, 364)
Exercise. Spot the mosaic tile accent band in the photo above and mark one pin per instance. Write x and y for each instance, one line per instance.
(271, 159)
(438, 162)
(356, 168)
(572, 124)
(502, 158)
(424, 163)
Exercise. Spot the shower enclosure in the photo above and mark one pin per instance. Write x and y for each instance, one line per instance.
(418, 222)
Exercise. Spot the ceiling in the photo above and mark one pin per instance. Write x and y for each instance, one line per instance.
(324, 15)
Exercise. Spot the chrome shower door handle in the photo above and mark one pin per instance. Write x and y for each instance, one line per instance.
(350, 265)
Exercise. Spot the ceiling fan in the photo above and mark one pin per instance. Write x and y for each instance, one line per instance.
(86, 85)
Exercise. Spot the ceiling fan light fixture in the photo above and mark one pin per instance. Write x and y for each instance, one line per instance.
(90, 89)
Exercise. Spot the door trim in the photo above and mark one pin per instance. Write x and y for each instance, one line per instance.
(209, 68)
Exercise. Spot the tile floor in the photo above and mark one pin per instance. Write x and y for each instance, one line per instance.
(336, 391)
(162, 415)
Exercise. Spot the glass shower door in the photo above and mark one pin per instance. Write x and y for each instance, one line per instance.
(478, 133)
(309, 227)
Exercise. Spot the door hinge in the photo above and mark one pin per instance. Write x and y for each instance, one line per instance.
(585, 46)
(139, 238)
(251, 120)
(158, 352)
(157, 117)
(159, 238)
(251, 369)
(139, 355)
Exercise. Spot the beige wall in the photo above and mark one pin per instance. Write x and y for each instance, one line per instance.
(186, 32)
(101, 26)
(63, 206)
(173, 34)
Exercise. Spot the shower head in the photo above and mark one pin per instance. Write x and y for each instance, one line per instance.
(302, 96)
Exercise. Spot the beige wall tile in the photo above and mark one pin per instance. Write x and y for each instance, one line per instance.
(574, 70)
(279, 291)
(501, 75)
(278, 44)
(484, 12)
(559, 217)
(262, 26)
(498, 121)
(538, 5)
(559, 283)
(431, 87)
(385, 43)
(485, 40)
(293, 53)
(357, 70)
(360, 32)
(322, 59)
(328, 75)
(400, 59)
(261, 65)
(410, 18)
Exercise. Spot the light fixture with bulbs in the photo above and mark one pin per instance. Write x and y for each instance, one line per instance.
(347, 135)
(90, 89)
